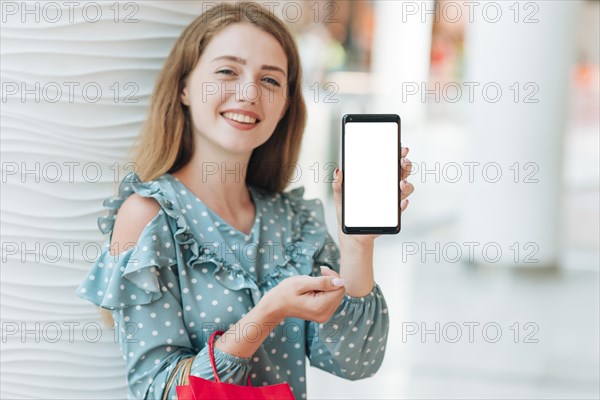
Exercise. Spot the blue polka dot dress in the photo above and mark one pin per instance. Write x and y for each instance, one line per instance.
(191, 274)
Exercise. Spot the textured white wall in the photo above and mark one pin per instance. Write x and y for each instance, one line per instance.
(49, 335)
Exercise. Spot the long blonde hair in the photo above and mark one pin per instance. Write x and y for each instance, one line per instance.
(167, 142)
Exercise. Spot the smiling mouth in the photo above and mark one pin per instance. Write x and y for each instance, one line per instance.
(239, 118)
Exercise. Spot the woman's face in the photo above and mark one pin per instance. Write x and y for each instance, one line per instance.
(236, 92)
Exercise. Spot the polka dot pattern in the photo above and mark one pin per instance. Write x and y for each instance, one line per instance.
(192, 273)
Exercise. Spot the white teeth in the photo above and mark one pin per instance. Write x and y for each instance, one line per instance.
(240, 118)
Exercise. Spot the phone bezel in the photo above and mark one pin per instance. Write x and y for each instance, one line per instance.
(357, 118)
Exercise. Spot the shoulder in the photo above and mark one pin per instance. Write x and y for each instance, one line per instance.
(133, 216)
(138, 209)
(137, 205)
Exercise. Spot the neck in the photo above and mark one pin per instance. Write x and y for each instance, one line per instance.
(217, 178)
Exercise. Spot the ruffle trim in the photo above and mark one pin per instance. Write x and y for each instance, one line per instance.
(131, 278)
(308, 234)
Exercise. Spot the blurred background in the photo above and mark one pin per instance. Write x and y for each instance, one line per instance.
(493, 282)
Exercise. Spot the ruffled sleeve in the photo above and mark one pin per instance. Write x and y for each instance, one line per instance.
(142, 283)
(131, 277)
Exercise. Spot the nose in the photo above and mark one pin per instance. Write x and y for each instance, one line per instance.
(249, 91)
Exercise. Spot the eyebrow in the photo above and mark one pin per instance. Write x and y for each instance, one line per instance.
(243, 62)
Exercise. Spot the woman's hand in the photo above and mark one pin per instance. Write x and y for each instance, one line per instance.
(305, 297)
(405, 187)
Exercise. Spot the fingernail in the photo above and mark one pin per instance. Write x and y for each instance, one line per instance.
(336, 170)
(337, 282)
(325, 266)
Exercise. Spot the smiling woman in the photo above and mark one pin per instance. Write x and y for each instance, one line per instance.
(190, 253)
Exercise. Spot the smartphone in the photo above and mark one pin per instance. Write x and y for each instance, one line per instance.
(371, 174)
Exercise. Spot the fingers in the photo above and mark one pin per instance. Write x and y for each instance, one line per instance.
(406, 165)
(406, 188)
(322, 305)
(316, 298)
(404, 152)
(320, 283)
(403, 205)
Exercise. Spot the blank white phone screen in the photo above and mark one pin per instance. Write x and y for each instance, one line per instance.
(371, 174)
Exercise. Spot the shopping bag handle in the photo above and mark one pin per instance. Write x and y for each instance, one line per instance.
(211, 354)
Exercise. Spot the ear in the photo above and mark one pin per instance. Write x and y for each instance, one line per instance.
(185, 99)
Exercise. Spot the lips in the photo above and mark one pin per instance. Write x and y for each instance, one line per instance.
(241, 115)
(241, 118)
(243, 126)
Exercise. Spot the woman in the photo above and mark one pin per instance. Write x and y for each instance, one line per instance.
(203, 237)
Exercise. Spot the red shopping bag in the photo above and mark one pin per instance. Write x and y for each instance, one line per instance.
(202, 389)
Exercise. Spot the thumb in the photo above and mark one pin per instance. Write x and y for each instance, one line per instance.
(324, 284)
(336, 183)
(326, 271)
(337, 193)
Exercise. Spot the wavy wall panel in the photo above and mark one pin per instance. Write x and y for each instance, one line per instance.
(53, 345)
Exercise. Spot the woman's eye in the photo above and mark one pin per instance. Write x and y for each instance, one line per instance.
(272, 81)
(225, 71)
